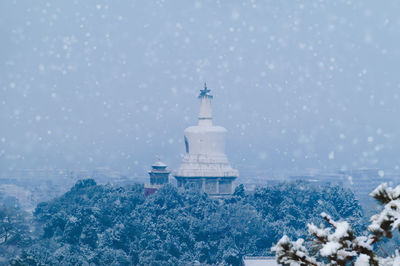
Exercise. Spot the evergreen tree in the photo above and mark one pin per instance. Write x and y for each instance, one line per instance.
(14, 228)
(107, 225)
(339, 245)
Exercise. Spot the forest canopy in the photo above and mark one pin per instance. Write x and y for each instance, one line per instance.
(108, 225)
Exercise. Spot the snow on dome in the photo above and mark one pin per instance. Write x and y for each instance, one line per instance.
(159, 164)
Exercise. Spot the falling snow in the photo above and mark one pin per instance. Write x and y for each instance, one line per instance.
(311, 85)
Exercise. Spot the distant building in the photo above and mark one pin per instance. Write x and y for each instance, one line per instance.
(259, 261)
(104, 175)
(205, 164)
(159, 176)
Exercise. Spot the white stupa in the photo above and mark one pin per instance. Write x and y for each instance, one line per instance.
(205, 163)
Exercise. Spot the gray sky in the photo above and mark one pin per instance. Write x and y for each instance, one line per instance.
(298, 84)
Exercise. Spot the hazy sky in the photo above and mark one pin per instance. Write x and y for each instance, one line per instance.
(298, 84)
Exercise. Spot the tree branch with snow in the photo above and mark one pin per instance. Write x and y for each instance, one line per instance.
(338, 244)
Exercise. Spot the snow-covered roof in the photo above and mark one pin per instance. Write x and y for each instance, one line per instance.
(158, 164)
(259, 261)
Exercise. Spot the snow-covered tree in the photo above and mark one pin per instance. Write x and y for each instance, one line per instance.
(14, 228)
(338, 244)
(112, 225)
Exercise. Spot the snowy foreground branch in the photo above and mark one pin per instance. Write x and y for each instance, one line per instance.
(337, 244)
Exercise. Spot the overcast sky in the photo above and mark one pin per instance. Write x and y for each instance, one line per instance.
(298, 84)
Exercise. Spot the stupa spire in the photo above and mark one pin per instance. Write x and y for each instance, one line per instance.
(205, 114)
(205, 93)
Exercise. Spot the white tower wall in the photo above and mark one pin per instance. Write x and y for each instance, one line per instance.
(206, 139)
